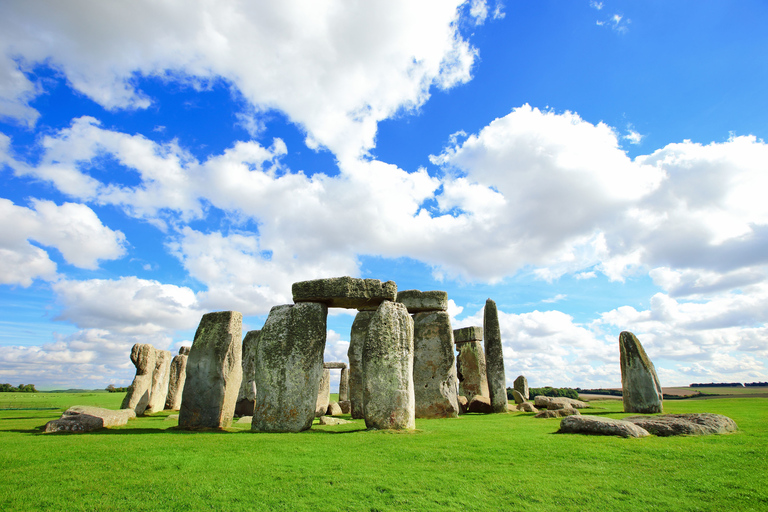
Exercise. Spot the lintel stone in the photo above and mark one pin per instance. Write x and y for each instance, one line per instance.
(418, 302)
(334, 366)
(466, 334)
(345, 292)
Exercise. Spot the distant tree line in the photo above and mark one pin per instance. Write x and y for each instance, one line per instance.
(756, 384)
(547, 391)
(112, 389)
(719, 385)
(23, 388)
(600, 391)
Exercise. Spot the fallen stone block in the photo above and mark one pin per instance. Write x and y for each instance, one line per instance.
(83, 418)
(334, 409)
(543, 402)
(557, 413)
(695, 424)
(527, 407)
(480, 404)
(596, 425)
(327, 420)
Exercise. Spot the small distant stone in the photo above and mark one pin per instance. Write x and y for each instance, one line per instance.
(417, 301)
(245, 420)
(519, 398)
(697, 424)
(346, 406)
(528, 407)
(558, 413)
(172, 417)
(596, 425)
(521, 386)
(334, 409)
(480, 404)
(345, 292)
(327, 420)
(463, 404)
(543, 402)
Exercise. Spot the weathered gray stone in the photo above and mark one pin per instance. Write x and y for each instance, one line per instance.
(521, 386)
(346, 406)
(160, 380)
(598, 425)
(527, 407)
(244, 420)
(323, 394)
(289, 367)
(178, 375)
(558, 413)
(247, 395)
(388, 394)
(334, 366)
(480, 404)
(334, 409)
(544, 402)
(184, 351)
(695, 424)
(355, 354)
(466, 334)
(434, 366)
(344, 385)
(345, 292)
(327, 420)
(640, 386)
(519, 399)
(214, 372)
(494, 358)
(84, 418)
(463, 404)
(470, 369)
(418, 302)
(137, 398)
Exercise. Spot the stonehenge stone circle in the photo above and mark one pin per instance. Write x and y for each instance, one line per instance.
(470, 362)
(388, 394)
(521, 386)
(247, 395)
(178, 375)
(83, 418)
(355, 354)
(434, 366)
(345, 292)
(137, 398)
(344, 385)
(693, 424)
(323, 393)
(214, 372)
(599, 425)
(289, 366)
(494, 357)
(639, 383)
(160, 381)
(418, 302)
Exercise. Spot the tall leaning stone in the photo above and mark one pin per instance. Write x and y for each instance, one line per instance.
(521, 386)
(494, 357)
(323, 394)
(639, 383)
(247, 395)
(137, 398)
(355, 355)
(388, 394)
(214, 372)
(160, 380)
(176, 382)
(434, 366)
(470, 362)
(289, 366)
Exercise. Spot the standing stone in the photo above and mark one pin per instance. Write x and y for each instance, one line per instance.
(247, 395)
(214, 372)
(434, 366)
(323, 394)
(470, 363)
(388, 394)
(355, 354)
(518, 396)
(178, 375)
(639, 384)
(160, 380)
(344, 385)
(521, 385)
(289, 367)
(137, 398)
(497, 381)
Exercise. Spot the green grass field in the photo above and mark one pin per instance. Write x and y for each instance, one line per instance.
(494, 462)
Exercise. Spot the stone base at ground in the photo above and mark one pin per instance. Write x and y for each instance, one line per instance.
(600, 426)
(543, 402)
(527, 407)
(82, 418)
(434, 366)
(334, 409)
(327, 420)
(558, 413)
(463, 404)
(481, 404)
(697, 424)
(346, 406)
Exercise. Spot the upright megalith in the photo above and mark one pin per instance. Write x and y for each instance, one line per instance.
(344, 385)
(323, 393)
(470, 362)
(388, 394)
(357, 337)
(178, 375)
(494, 357)
(639, 383)
(214, 372)
(434, 366)
(160, 381)
(345, 292)
(247, 395)
(521, 386)
(289, 367)
(137, 398)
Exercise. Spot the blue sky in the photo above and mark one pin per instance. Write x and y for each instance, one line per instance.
(591, 166)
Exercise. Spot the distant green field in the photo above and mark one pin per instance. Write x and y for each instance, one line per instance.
(476, 462)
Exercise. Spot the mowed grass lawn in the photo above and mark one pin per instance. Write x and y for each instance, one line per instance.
(477, 462)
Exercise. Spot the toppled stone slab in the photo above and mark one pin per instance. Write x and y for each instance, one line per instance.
(178, 375)
(463, 404)
(519, 399)
(137, 398)
(214, 372)
(521, 386)
(470, 369)
(334, 409)
(466, 334)
(596, 425)
(172, 417)
(418, 302)
(696, 424)
(434, 366)
(334, 366)
(543, 402)
(480, 404)
(527, 407)
(355, 354)
(494, 358)
(246, 397)
(160, 381)
(83, 418)
(345, 292)
(244, 420)
(641, 390)
(327, 420)
(323, 394)
(557, 413)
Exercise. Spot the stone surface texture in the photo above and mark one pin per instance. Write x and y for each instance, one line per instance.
(346, 406)
(289, 367)
(323, 394)
(214, 372)
(519, 399)
(344, 385)
(598, 425)
(357, 337)
(466, 334)
(334, 409)
(137, 398)
(494, 358)
(327, 420)
(544, 402)
(694, 424)
(83, 418)
(334, 366)
(640, 386)
(247, 395)
(388, 394)
(435, 382)
(160, 381)
(480, 404)
(521, 386)
(418, 302)
(470, 369)
(178, 375)
(557, 413)
(345, 292)
(184, 351)
(463, 404)
(527, 407)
